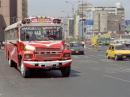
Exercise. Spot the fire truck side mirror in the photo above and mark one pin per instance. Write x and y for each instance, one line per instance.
(13, 43)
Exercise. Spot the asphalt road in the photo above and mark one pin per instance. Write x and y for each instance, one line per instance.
(92, 75)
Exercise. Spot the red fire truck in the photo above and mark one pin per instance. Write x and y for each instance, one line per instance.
(37, 43)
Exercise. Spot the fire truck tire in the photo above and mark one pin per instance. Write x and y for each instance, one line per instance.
(11, 63)
(66, 71)
(24, 71)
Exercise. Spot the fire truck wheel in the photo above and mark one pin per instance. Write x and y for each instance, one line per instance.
(11, 63)
(24, 71)
(66, 71)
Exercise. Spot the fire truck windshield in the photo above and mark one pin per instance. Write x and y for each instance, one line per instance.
(39, 33)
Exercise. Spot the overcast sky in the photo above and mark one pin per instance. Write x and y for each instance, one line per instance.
(60, 8)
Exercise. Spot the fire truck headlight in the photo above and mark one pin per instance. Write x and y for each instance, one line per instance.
(28, 56)
(29, 47)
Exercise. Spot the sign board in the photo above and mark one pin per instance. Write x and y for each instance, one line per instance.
(88, 22)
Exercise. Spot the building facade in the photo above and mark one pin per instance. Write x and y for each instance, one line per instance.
(68, 28)
(5, 11)
(105, 19)
(10, 12)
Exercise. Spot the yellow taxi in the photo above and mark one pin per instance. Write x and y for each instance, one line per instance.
(118, 51)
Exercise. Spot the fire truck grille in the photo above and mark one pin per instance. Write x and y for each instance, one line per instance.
(48, 49)
(47, 56)
(48, 53)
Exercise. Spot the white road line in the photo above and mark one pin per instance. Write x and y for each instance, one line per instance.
(125, 70)
(117, 78)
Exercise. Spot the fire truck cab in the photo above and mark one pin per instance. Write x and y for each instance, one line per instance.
(37, 43)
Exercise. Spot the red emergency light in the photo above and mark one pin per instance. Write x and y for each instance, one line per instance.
(58, 21)
(41, 20)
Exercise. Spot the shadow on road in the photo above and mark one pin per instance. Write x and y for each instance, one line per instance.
(51, 74)
(120, 60)
(74, 73)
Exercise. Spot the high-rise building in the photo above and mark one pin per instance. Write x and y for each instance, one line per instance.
(18, 10)
(5, 11)
(22, 9)
(104, 18)
(68, 27)
(11, 11)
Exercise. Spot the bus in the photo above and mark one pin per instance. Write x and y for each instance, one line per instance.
(37, 43)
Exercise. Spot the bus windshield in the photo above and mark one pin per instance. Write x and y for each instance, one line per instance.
(39, 33)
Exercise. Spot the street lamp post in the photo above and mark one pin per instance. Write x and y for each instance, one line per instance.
(72, 5)
(82, 21)
(74, 17)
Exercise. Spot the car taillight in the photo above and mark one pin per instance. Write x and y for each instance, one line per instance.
(67, 55)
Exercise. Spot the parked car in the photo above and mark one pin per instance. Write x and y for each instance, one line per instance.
(77, 48)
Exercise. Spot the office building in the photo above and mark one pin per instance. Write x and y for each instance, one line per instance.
(11, 11)
(104, 19)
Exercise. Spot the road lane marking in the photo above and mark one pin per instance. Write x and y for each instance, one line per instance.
(125, 70)
(117, 78)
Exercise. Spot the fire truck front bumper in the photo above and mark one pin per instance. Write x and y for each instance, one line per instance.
(47, 64)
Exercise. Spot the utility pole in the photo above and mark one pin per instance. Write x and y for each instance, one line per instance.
(82, 21)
